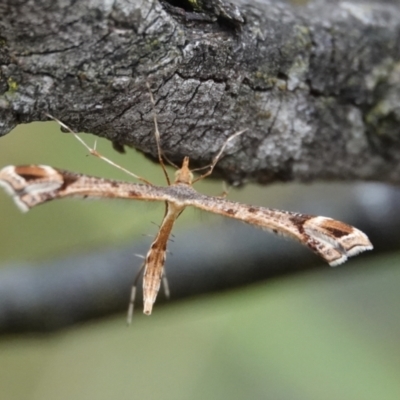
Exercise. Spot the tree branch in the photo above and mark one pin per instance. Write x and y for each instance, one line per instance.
(317, 86)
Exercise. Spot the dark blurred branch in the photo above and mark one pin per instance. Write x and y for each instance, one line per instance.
(75, 289)
(317, 86)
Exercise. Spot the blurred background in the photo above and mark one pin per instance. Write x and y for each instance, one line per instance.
(319, 333)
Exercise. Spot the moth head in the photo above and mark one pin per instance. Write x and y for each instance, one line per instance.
(184, 175)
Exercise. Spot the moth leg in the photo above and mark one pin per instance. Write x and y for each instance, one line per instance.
(165, 285)
(160, 153)
(133, 293)
(94, 152)
(217, 157)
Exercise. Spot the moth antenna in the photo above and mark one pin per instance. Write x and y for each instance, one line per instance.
(217, 157)
(94, 152)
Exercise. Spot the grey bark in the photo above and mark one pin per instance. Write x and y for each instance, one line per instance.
(317, 86)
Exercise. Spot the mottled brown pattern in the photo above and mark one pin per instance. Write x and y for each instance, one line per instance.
(299, 219)
(68, 180)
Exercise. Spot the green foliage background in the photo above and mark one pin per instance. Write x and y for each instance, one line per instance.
(329, 334)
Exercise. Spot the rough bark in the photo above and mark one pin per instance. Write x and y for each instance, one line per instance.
(317, 86)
